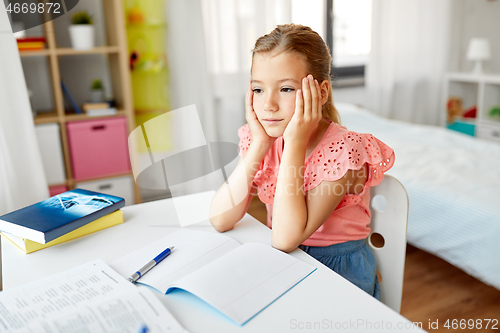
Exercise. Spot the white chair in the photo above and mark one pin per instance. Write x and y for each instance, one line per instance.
(389, 208)
(1, 282)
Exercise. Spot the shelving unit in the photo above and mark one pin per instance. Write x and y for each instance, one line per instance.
(117, 54)
(482, 90)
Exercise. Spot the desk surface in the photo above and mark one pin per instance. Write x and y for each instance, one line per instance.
(323, 301)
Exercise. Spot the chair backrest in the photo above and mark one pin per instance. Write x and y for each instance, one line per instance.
(389, 209)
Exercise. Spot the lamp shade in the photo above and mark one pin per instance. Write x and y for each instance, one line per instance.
(479, 49)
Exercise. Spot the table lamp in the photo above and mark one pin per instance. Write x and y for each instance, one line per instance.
(479, 50)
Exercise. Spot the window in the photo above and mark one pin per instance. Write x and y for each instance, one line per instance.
(348, 30)
(232, 26)
(311, 14)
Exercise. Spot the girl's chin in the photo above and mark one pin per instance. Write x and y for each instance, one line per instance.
(274, 132)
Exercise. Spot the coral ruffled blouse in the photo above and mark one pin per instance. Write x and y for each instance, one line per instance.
(338, 151)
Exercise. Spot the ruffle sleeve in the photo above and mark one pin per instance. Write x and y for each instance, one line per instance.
(245, 139)
(349, 151)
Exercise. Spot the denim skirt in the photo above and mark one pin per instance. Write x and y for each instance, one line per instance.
(353, 260)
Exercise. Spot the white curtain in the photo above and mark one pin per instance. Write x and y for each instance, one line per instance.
(409, 56)
(231, 28)
(22, 179)
(209, 44)
(189, 79)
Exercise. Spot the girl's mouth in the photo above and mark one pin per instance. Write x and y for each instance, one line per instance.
(272, 122)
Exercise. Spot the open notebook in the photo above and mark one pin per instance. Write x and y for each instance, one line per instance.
(238, 280)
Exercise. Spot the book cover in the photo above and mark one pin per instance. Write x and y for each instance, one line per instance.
(29, 246)
(70, 98)
(30, 44)
(95, 106)
(49, 219)
(101, 112)
(30, 49)
(31, 39)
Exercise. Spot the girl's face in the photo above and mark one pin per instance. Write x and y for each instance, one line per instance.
(275, 81)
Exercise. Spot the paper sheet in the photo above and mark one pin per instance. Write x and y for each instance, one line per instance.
(88, 298)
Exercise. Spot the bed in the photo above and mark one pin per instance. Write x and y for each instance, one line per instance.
(453, 185)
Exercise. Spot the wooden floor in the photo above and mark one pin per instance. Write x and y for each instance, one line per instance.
(434, 290)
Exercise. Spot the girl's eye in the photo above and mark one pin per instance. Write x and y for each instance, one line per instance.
(257, 90)
(287, 89)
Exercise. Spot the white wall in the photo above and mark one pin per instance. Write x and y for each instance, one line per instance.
(356, 95)
(475, 18)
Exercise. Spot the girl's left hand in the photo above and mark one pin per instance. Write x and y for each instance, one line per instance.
(308, 112)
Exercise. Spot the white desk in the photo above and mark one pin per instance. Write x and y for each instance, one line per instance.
(323, 301)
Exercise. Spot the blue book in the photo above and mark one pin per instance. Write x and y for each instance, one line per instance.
(58, 215)
(70, 98)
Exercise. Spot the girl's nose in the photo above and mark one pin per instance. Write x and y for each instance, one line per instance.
(270, 103)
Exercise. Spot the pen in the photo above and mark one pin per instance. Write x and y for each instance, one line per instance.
(144, 269)
(143, 329)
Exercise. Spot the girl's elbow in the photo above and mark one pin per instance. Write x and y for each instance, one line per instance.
(286, 242)
(284, 245)
(285, 248)
(223, 228)
(219, 225)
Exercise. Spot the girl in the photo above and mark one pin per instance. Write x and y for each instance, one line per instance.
(312, 173)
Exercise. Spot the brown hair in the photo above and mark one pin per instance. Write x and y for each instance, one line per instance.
(308, 43)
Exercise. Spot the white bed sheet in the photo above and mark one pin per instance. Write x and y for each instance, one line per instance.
(453, 185)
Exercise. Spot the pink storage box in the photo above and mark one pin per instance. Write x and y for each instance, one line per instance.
(55, 190)
(98, 147)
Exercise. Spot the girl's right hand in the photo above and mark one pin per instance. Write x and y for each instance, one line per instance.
(259, 134)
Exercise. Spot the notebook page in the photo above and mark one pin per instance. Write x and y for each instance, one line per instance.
(246, 280)
(88, 298)
(193, 250)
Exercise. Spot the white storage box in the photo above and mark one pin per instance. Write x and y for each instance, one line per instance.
(488, 132)
(49, 143)
(120, 186)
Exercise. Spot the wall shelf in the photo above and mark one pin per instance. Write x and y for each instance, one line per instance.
(117, 57)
